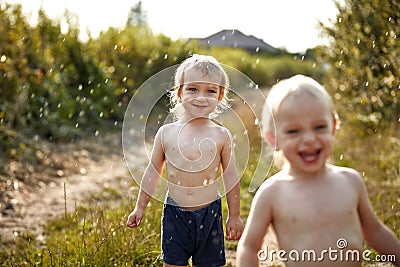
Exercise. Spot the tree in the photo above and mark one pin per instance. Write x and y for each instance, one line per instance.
(364, 70)
(137, 17)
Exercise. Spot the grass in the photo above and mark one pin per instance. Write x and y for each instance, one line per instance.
(95, 233)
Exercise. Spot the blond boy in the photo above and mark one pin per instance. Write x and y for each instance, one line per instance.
(319, 212)
(193, 149)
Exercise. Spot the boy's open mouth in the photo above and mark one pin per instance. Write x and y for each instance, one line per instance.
(310, 156)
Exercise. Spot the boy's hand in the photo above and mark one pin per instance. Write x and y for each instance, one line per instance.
(135, 218)
(234, 228)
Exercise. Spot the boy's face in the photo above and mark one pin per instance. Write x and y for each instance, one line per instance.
(200, 95)
(304, 132)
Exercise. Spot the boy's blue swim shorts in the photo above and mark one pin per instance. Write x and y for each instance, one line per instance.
(198, 234)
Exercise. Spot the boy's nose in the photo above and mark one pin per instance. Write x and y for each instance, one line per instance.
(201, 96)
(308, 137)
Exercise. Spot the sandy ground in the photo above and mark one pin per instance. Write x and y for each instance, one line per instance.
(30, 206)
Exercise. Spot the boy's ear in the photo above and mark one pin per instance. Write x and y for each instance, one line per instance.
(271, 140)
(335, 126)
(179, 94)
(221, 93)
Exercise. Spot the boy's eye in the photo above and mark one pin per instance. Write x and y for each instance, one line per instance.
(320, 127)
(292, 131)
(191, 89)
(212, 91)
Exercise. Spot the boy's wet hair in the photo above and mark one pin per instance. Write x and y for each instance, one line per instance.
(209, 66)
(298, 84)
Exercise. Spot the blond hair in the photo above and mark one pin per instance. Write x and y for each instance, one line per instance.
(209, 66)
(295, 85)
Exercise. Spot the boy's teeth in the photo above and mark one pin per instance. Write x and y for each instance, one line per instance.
(310, 157)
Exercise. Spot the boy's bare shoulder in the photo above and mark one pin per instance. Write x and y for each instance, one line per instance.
(347, 174)
(274, 183)
(168, 127)
(220, 131)
(345, 171)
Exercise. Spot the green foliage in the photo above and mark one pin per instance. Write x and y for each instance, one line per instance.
(363, 78)
(42, 77)
(364, 69)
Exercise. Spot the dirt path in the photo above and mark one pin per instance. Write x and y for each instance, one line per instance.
(97, 165)
(49, 200)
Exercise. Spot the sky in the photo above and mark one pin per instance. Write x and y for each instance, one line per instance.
(288, 24)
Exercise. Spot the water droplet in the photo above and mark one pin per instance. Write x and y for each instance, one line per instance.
(190, 221)
(201, 226)
(82, 170)
(3, 58)
(341, 157)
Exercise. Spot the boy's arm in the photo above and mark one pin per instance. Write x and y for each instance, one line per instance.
(259, 219)
(149, 182)
(380, 237)
(234, 225)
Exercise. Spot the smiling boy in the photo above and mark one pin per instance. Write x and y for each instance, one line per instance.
(312, 206)
(195, 152)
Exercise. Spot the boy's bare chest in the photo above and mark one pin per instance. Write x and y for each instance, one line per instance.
(192, 151)
(317, 206)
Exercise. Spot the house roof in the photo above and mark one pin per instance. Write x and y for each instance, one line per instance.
(236, 39)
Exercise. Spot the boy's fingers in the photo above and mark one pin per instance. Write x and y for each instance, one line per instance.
(234, 235)
(133, 223)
